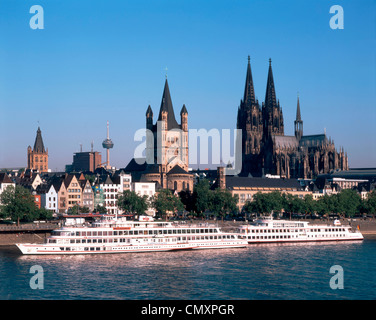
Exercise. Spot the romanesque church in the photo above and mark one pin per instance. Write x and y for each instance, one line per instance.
(166, 161)
(267, 150)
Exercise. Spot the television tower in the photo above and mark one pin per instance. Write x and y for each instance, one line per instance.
(108, 144)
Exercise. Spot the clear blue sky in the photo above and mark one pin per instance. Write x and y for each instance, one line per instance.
(105, 60)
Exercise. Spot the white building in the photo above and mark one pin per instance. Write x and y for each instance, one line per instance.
(5, 182)
(124, 180)
(145, 188)
(111, 193)
(48, 197)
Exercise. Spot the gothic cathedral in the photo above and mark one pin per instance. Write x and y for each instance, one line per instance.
(266, 149)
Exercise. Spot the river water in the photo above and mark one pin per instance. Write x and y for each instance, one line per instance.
(263, 271)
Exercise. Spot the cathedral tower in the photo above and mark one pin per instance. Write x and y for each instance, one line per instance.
(249, 120)
(271, 110)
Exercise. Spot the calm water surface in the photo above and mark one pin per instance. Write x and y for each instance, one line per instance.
(268, 271)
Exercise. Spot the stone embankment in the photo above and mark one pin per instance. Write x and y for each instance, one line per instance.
(25, 233)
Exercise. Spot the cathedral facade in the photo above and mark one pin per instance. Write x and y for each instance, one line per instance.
(267, 150)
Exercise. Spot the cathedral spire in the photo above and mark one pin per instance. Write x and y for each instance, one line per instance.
(298, 116)
(270, 97)
(249, 91)
(298, 122)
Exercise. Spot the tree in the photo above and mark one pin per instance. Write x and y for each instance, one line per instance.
(309, 204)
(17, 203)
(130, 201)
(164, 201)
(76, 209)
(221, 202)
(348, 203)
(370, 203)
(201, 195)
(100, 209)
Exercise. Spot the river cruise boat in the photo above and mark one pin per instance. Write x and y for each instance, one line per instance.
(113, 234)
(267, 230)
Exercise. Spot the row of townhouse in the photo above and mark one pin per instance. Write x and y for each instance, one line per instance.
(60, 192)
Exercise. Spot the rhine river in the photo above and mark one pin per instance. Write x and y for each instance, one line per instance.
(263, 272)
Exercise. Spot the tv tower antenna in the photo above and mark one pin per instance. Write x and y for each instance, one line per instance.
(108, 144)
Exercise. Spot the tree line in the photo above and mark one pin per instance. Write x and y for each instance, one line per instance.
(17, 204)
(346, 203)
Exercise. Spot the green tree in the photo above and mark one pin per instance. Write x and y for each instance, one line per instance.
(45, 214)
(293, 204)
(222, 202)
(309, 204)
(348, 203)
(130, 201)
(164, 202)
(76, 209)
(370, 203)
(100, 209)
(17, 203)
(201, 195)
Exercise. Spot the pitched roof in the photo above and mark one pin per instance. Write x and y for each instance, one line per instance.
(38, 145)
(4, 178)
(136, 164)
(166, 105)
(285, 141)
(177, 170)
(313, 140)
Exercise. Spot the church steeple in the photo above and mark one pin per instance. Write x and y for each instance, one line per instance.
(38, 145)
(166, 106)
(249, 91)
(298, 123)
(37, 158)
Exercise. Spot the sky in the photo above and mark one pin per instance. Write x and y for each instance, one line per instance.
(106, 60)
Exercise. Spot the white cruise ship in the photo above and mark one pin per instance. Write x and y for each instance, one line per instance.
(268, 230)
(113, 234)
